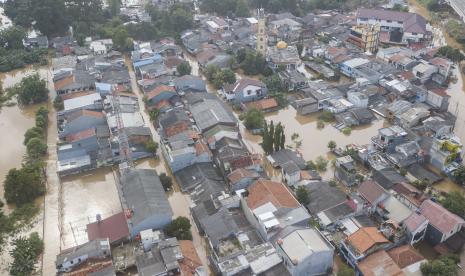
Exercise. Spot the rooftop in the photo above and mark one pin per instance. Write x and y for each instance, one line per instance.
(266, 191)
(371, 191)
(379, 263)
(115, 228)
(440, 217)
(303, 242)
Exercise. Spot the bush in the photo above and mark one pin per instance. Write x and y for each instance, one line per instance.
(445, 265)
(347, 131)
(25, 254)
(253, 119)
(326, 116)
(166, 181)
(179, 228)
(450, 53)
(58, 103)
(151, 147)
(302, 195)
(320, 124)
(184, 68)
(321, 164)
(24, 185)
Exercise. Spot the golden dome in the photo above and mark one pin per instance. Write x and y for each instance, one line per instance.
(281, 45)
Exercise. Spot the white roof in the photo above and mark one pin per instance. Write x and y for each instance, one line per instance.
(265, 208)
(129, 120)
(355, 62)
(270, 223)
(80, 102)
(397, 210)
(350, 226)
(252, 20)
(212, 24)
(302, 243)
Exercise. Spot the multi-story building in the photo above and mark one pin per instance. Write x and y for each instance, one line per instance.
(365, 37)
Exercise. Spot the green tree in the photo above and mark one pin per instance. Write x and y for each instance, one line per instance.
(121, 40)
(278, 134)
(166, 181)
(211, 71)
(33, 132)
(321, 164)
(179, 228)
(229, 76)
(302, 195)
(23, 186)
(42, 118)
(151, 146)
(253, 119)
(154, 113)
(49, 16)
(58, 103)
(454, 202)
(114, 7)
(184, 68)
(12, 37)
(19, 11)
(459, 174)
(32, 89)
(36, 148)
(445, 265)
(25, 253)
(242, 10)
(332, 145)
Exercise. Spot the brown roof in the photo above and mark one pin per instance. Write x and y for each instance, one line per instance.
(365, 238)
(171, 62)
(405, 255)
(370, 191)
(176, 128)
(379, 263)
(80, 135)
(159, 89)
(190, 260)
(264, 191)
(201, 147)
(407, 75)
(440, 217)
(414, 221)
(238, 174)
(84, 112)
(263, 104)
(115, 228)
(59, 84)
(76, 95)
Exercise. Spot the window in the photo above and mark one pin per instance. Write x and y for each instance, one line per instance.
(249, 92)
(261, 38)
(389, 21)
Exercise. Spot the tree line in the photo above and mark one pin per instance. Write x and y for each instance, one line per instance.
(274, 138)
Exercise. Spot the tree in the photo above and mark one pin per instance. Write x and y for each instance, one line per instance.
(445, 265)
(295, 137)
(23, 186)
(36, 148)
(454, 202)
(267, 143)
(33, 132)
(114, 7)
(166, 181)
(154, 113)
(121, 40)
(32, 89)
(302, 195)
(253, 119)
(25, 253)
(151, 147)
(210, 71)
(58, 103)
(184, 68)
(49, 16)
(253, 63)
(229, 76)
(242, 10)
(321, 163)
(19, 11)
(42, 118)
(12, 37)
(179, 228)
(451, 53)
(332, 145)
(278, 134)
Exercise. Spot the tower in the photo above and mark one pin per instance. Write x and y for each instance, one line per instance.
(261, 32)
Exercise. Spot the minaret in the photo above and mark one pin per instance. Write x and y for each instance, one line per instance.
(261, 32)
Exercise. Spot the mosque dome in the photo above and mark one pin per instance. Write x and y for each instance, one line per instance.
(281, 45)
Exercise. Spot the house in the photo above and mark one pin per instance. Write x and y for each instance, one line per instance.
(217, 133)
(264, 105)
(323, 196)
(160, 259)
(283, 56)
(358, 99)
(444, 66)
(305, 251)
(361, 244)
(445, 150)
(89, 102)
(407, 258)
(345, 170)
(69, 259)
(40, 42)
(189, 83)
(245, 90)
(211, 112)
(424, 71)
(203, 178)
(438, 98)
(372, 193)
(388, 138)
(348, 67)
(323, 92)
(159, 94)
(411, 25)
(85, 139)
(114, 228)
(270, 207)
(145, 201)
(242, 178)
(72, 161)
(412, 117)
(406, 154)
(388, 177)
(416, 225)
(190, 264)
(293, 80)
(278, 158)
(291, 173)
(80, 120)
(306, 105)
(442, 223)
(365, 37)
(67, 81)
(379, 263)
(438, 126)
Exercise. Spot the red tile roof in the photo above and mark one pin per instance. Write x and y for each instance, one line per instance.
(264, 191)
(379, 263)
(263, 104)
(115, 228)
(80, 135)
(201, 147)
(190, 260)
(84, 112)
(440, 217)
(239, 174)
(405, 255)
(176, 128)
(160, 89)
(365, 238)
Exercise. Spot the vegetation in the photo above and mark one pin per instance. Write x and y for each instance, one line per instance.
(326, 116)
(445, 265)
(234, 8)
(274, 138)
(178, 18)
(332, 145)
(450, 53)
(252, 62)
(24, 185)
(347, 130)
(420, 184)
(58, 103)
(36, 147)
(320, 124)
(184, 68)
(151, 146)
(459, 175)
(302, 195)
(31, 90)
(253, 119)
(321, 164)
(16, 221)
(276, 89)
(154, 113)
(25, 253)
(166, 181)
(33, 132)
(456, 29)
(179, 228)
(295, 137)
(218, 77)
(454, 202)
(42, 118)
(345, 270)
